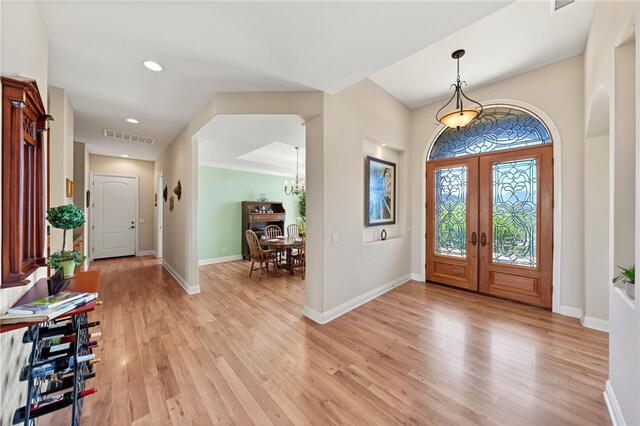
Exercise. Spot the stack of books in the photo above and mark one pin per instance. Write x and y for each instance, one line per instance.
(47, 308)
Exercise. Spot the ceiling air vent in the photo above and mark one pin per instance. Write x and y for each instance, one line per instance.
(559, 4)
(128, 137)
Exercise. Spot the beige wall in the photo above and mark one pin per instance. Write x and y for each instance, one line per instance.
(562, 101)
(363, 112)
(336, 128)
(61, 156)
(143, 170)
(23, 52)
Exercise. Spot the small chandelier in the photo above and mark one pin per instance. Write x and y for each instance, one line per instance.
(460, 116)
(297, 186)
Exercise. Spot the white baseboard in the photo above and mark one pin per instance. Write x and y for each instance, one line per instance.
(588, 322)
(219, 260)
(333, 313)
(595, 323)
(418, 277)
(570, 311)
(183, 283)
(612, 404)
(146, 253)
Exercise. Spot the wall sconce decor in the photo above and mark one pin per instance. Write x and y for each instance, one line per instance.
(178, 190)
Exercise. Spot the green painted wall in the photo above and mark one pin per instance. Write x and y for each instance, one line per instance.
(220, 193)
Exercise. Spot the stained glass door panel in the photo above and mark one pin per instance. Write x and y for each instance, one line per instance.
(452, 238)
(516, 218)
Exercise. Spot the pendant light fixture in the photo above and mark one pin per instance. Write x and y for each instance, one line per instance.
(297, 186)
(461, 115)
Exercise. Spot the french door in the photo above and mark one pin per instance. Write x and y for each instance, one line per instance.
(490, 223)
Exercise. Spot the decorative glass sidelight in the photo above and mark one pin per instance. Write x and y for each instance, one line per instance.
(497, 128)
(451, 211)
(515, 212)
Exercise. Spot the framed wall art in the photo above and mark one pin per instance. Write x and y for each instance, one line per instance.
(380, 192)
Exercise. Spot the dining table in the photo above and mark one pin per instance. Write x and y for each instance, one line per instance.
(286, 244)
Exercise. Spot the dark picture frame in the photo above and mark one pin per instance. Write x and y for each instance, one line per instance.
(380, 192)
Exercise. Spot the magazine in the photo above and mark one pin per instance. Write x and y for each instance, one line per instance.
(45, 303)
(49, 314)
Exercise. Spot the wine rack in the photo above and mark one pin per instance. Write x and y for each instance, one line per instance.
(57, 380)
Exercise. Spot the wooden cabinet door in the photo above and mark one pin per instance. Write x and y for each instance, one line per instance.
(516, 225)
(452, 222)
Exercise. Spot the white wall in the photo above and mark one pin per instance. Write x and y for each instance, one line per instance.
(23, 52)
(611, 26)
(596, 211)
(561, 99)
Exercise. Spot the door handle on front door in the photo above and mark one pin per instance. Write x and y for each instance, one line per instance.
(131, 227)
(483, 239)
(474, 238)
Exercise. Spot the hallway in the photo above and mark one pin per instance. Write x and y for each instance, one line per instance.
(241, 352)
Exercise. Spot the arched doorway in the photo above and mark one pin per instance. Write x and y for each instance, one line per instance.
(489, 210)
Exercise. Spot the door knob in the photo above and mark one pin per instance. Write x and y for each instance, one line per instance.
(131, 227)
(483, 239)
(474, 238)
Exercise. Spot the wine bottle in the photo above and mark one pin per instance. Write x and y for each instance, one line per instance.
(69, 338)
(66, 383)
(64, 329)
(58, 365)
(40, 410)
(64, 349)
(66, 395)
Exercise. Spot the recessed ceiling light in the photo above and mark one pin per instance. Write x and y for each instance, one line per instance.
(132, 120)
(384, 144)
(124, 155)
(152, 65)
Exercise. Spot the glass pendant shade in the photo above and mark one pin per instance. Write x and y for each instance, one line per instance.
(458, 118)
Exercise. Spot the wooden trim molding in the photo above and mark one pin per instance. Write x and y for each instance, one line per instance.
(24, 126)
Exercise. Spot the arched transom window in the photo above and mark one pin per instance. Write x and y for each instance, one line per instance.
(498, 128)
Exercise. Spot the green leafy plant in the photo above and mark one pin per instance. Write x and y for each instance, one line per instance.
(63, 256)
(627, 275)
(65, 217)
(302, 204)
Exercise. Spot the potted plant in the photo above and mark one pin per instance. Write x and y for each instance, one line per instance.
(65, 217)
(628, 276)
(302, 208)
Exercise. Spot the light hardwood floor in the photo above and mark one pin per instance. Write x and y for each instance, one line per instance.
(241, 352)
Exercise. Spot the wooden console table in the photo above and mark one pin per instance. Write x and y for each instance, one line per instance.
(82, 281)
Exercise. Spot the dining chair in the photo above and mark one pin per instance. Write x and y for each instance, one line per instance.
(298, 259)
(272, 231)
(293, 230)
(259, 255)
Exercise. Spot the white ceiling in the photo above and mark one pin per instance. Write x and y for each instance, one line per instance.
(259, 143)
(520, 37)
(96, 49)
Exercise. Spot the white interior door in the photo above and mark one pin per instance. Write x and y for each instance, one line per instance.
(159, 213)
(114, 216)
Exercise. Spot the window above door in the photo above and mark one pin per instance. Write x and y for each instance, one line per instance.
(499, 127)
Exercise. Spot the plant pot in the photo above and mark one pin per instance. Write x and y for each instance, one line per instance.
(69, 267)
(631, 290)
